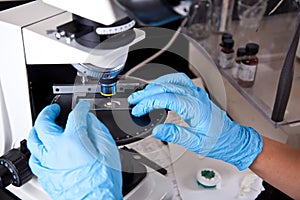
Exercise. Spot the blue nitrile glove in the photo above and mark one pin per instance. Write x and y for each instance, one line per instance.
(210, 133)
(79, 162)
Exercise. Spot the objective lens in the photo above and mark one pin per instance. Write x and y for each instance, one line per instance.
(108, 90)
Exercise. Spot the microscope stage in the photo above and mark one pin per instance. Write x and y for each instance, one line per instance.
(124, 127)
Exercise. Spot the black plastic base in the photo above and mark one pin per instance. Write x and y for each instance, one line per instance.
(7, 195)
(133, 172)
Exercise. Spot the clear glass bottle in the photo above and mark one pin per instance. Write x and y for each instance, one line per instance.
(226, 56)
(248, 66)
(240, 55)
(222, 15)
(198, 24)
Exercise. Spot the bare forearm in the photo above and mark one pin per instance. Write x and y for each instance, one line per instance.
(279, 165)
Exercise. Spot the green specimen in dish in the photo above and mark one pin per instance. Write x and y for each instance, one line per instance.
(208, 174)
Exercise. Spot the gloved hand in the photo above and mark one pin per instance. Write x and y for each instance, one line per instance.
(210, 133)
(80, 162)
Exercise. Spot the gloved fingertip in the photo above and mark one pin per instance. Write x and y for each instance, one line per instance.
(84, 104)
(159, 133)
(157, 129)
(137, 111)
(134, 97)
(49, 114)
(55, 108)
(82, 107)
(130, 99)
(168, 132)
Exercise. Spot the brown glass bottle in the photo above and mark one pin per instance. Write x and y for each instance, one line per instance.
(224, 37)
(248, 66)
(240, 55)
(226, 56)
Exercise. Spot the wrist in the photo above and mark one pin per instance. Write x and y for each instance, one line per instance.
(248, 148)
(228, 141)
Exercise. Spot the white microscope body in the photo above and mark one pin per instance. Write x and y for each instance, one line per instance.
(27, 38)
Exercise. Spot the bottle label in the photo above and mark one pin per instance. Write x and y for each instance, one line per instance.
(226, 59)
(235, 70)
(247, 72)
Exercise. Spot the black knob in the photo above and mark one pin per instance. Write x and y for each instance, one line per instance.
(14, 167)
(5, 177)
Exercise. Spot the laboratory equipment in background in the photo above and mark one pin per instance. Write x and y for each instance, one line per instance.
(62, 53)
(251, 12)
(222, 15)
(198, 25)
(286, 75)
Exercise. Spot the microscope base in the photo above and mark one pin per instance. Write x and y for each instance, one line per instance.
(153, 187)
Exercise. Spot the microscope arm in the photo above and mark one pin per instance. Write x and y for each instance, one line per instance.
(145, 12)
(155, 12)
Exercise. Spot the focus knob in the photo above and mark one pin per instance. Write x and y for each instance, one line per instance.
(14, 167)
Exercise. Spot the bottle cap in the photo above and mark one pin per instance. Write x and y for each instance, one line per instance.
(228, 43)
(226, 36)
(252, 48)
(240, 52)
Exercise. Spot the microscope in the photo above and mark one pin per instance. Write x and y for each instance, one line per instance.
(56, 51)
